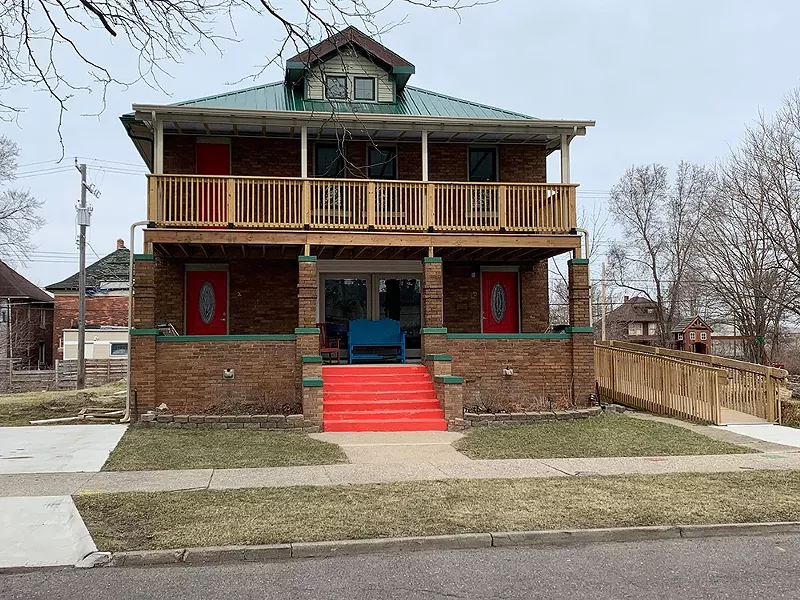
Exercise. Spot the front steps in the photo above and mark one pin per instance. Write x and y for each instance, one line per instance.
(380, 398)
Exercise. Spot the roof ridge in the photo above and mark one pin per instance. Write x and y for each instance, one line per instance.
(240, 91)
(470, 102)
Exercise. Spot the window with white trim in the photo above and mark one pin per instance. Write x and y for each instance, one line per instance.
(703, 335)
(692, 335)
(652, 329)
(119, 349)
(364, 88)
(635, 329)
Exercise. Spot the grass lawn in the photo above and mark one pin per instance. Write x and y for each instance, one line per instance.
(152, 449)
(139, 521)
(606, 435)
(19, 409)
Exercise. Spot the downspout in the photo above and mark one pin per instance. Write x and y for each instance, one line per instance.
(126, 417)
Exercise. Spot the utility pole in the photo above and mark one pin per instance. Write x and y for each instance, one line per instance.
(603, 302)
(83, 222)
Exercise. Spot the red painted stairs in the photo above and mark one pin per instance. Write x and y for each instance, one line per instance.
(380, 398)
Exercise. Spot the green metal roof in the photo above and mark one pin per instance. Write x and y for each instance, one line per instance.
(411, 101)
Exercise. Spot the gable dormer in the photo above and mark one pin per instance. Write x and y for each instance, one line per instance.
(349, 67)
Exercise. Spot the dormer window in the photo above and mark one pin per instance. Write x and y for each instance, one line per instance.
(336, 87)
(364, 88)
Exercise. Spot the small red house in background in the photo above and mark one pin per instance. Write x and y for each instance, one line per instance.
(107, 293)
(693, 335)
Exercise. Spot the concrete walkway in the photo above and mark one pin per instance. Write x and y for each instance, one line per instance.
(44, 484)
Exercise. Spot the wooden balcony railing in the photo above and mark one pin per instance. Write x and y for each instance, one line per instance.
(359, 204)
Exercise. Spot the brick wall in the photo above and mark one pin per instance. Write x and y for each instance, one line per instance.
(277, 157)
(189, 379)
(534, 297)
(542, 373)
(263, 296)
(462, 298)
(100, 310)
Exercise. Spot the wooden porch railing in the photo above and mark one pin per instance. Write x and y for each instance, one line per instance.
(359, 204)
(658, 384)
(746, 387)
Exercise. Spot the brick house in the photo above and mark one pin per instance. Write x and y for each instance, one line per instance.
(693, 335)
(26, 321)
(339, 193)
(107, 296)
(635, 320)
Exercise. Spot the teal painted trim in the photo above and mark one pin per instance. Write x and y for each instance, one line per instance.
(302, 258)
(432, 259)
(306, 331)
(448, 379)
(145, 332)
(403, 70)
(578, 261)
(438, 357)
(508, 336)
(312, 381)
(579, 330)
(314, 358)
(144, 257)
(280, 337)
(434, 330)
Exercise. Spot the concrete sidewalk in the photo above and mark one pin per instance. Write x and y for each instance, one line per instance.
(57, 484)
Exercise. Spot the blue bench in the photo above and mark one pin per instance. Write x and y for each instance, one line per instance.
(374, 335)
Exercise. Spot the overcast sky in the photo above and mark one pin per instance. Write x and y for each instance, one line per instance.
(664, 81)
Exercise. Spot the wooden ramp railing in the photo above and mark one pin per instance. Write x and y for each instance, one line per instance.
(743, 387)
(659, 384)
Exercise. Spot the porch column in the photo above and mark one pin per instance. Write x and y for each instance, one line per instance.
(565, 140)
(304, 152)
(434, 334)
(583, 378)
(424, 156)
(142, 352)
(309, 379)
(158, 147)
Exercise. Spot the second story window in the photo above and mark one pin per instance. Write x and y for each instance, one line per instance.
(692, 335)
(382, 162)
(483, 164)
(328, 161)
(635, 329)
(364, 88)
(703, 336)
(336, 87)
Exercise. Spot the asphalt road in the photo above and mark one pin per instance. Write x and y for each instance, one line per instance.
(754, 567)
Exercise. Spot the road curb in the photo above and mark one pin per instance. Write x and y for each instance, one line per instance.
(300, 550)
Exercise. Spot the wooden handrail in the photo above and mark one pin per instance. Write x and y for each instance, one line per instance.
(359, 204)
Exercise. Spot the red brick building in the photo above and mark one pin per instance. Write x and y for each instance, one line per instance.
(343, 193)
(693, 335)
(26, 321)
(106, 296)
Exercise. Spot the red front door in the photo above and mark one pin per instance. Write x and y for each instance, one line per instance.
(500, 293)
(206, 302)
(213, 159)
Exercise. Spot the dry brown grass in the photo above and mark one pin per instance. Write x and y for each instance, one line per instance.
(137, 521)
(20, 409)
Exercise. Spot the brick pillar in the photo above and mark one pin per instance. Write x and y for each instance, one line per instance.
(583, 377)
(434, 339)
(450, 391)
(142, 352)
(312, 388)
(535, 297)
(307, 291)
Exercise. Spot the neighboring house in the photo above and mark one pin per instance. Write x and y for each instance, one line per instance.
(339, 193)
(693, 335)
(635, 320)
(26, 321)
(101, 342)
(106, 296)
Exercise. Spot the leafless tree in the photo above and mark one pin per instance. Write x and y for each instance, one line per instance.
(660, 222)
(19, 210)
(42, 42)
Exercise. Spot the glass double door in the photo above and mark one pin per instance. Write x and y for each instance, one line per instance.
(372, 296)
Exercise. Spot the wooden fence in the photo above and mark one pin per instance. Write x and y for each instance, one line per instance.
(98, 371)
(635, 375)
(360, 204)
